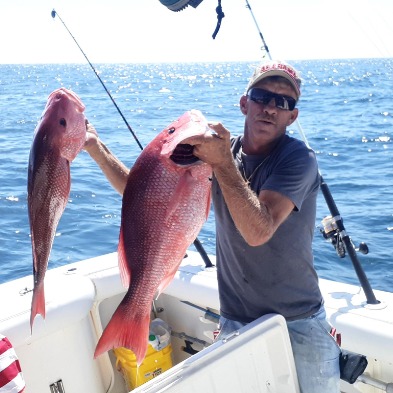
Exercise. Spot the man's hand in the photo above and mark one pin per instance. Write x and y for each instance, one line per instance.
(91, 137)
(213, 148)
(115, 171)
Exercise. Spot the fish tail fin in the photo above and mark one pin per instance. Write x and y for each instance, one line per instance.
(129, 333)
(37, 303)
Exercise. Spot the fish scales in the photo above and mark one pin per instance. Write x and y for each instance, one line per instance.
(58, 138)
(164, 207)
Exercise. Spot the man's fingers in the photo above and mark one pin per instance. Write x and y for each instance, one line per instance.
(90, 128)
(219, 129)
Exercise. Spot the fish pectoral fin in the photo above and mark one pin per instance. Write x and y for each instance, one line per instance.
(125, 271)
(184, 187)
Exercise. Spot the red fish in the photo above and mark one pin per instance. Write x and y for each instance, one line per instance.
(165, 203)
(58, 138)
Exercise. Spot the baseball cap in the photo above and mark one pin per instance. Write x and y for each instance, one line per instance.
(276, 68)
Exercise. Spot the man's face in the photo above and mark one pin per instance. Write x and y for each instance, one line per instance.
(265, 122)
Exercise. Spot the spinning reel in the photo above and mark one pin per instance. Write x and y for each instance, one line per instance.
(331, 232)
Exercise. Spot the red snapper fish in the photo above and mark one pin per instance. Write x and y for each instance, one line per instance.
(58, 138)
(165, 203)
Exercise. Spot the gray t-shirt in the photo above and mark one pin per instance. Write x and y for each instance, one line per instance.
(279, 276)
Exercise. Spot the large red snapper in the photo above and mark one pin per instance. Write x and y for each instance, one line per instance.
(59, 137)
(165, 203)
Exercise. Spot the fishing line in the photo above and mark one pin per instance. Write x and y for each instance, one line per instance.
(197, 243)
(54, 13)
(266, 49)
(341, 235)
(375, 31)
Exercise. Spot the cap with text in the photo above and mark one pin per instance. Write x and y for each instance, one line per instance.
(276, 68)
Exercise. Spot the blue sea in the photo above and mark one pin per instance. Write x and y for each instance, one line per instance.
(346, 114)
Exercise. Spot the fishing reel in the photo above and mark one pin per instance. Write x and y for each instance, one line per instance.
(331, 232)
(178, 5)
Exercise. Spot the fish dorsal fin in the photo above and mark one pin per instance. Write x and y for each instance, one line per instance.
(125, 272)
(209, 199)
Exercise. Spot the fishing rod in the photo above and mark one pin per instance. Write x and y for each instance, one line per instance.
(197, 243)
(334, 229)
(265, 47)
(54, 13)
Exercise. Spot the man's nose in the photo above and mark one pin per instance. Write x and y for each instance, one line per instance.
(271, 104)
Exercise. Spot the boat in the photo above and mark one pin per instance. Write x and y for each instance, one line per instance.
(81, 297)
(57, 355)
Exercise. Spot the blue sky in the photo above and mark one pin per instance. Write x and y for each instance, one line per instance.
(146, 31)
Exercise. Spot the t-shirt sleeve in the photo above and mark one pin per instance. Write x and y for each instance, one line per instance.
(294, 175)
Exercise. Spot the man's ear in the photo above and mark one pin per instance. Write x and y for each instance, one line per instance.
(243, 104)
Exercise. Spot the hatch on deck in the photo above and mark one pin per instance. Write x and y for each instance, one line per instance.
(258, 358)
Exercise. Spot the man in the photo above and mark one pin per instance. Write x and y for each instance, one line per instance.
(264, 192)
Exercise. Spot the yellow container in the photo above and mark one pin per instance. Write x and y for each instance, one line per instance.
(155, 363)
(158, 359)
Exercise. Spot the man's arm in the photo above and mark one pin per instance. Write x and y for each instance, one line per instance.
(255, 217)
(115, 171)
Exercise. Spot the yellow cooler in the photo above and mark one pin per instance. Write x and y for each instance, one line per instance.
(158, 357)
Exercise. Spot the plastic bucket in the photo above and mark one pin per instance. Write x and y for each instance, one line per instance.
(157, 360)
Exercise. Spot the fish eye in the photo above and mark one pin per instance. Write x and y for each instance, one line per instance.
(171, 130)
(62, 122)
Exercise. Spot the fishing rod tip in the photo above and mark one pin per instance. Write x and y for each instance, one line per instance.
(53, 13)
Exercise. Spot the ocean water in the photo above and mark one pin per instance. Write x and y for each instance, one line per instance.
(346, 114)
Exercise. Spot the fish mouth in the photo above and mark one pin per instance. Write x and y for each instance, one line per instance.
(183, 155)
(65, 94)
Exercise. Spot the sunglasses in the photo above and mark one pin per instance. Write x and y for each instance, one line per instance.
(264, 97)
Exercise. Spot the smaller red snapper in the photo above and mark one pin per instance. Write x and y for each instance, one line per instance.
(58, 138)
(165, 203)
